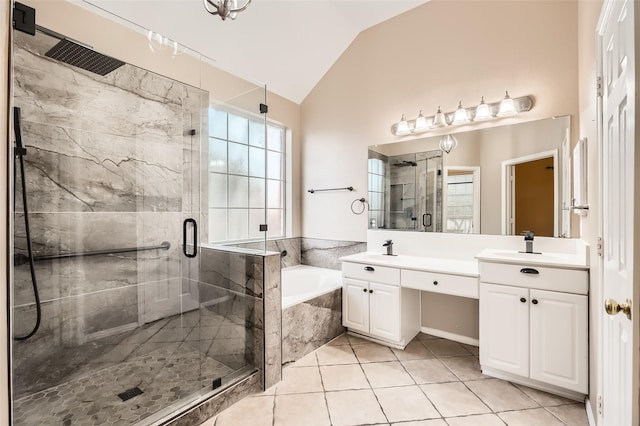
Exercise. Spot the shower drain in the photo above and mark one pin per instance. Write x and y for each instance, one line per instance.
(130, 393)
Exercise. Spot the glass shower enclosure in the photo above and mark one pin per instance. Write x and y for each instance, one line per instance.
(405, 191)
(115, 318)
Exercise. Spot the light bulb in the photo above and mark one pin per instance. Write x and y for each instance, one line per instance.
(460, 116)
(402, 127)
(421, 123)
(483, 112)
(439, 120)
(507, 107)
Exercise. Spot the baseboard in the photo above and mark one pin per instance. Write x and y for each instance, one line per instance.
(451, 336)
(587, 407)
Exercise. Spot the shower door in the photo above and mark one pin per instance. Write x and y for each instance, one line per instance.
(429, 178)
(114, 324)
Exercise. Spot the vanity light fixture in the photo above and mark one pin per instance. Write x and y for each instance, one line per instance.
(460, 116)
(484, 111)
(448, 143)
(507, 107)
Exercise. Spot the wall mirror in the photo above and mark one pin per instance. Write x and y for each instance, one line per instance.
(501, 180)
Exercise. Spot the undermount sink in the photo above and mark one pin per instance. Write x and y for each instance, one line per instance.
(375, 257)
(535, 257)
(568, 260)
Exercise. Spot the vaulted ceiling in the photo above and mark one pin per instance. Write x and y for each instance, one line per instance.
(286, 44)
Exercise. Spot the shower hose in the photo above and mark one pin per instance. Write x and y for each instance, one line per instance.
(19, 154)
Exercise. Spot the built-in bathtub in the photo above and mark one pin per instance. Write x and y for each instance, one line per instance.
(311, 309)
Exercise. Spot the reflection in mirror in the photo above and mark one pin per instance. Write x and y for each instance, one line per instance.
(414, 186)
(462, 199)
(405, 191)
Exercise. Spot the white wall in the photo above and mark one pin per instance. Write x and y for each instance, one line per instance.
(436, 54)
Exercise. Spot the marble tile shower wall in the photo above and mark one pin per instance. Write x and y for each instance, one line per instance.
(327, 253)
(245, 288)
(106, 168)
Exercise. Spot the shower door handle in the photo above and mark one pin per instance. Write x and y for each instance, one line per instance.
(424, 220)
(195, 237)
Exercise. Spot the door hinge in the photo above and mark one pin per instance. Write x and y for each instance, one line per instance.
(599, 86)
(600, 405)
(264, 108)
(600, 246)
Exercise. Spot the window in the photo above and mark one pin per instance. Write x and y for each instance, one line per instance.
(462, 204)
(246, 168)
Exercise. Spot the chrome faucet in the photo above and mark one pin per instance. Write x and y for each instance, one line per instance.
(528, 240)
(389, 245)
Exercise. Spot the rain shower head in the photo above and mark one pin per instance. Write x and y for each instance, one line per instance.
(82, 57)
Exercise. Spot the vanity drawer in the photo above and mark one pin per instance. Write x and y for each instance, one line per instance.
(540, 277)
(455, 285)
(379, 274)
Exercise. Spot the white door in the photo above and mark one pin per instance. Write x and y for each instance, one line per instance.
(504, 328)
(617, 61)
(559, 333)
(355, 304)
(384, 314)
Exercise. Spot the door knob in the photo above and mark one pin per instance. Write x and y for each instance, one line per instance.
(613, 308)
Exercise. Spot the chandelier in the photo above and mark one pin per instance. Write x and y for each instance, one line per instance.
(224, 8)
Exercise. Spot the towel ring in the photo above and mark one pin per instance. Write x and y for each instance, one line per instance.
(365, 205)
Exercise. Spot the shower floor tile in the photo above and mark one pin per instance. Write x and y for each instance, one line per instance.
(163, 375)
(158, 358)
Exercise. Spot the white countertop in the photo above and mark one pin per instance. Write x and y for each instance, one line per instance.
(467, 268)
(554, 260)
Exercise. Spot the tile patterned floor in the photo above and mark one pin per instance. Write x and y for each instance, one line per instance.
(434, 382)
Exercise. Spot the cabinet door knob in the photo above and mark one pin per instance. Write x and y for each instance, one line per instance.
(534, 301)
(364, 289)
(435, 283)
(369, 268)
(370, 291)
(529, 271)
(523, 300)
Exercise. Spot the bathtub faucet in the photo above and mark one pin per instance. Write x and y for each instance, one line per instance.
(389, 245)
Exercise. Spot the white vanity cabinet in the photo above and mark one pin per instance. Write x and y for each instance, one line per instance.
(534, 325)
(374, 305)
